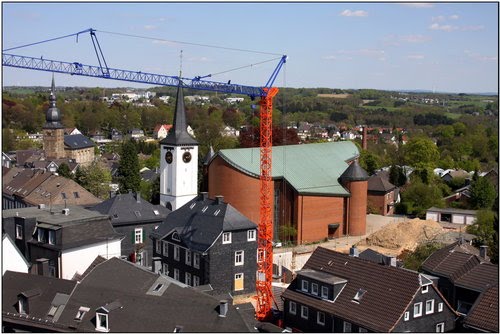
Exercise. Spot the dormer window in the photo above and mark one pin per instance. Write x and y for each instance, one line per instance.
(52, 237)
(22, 305)
(41, 236)
(305, 286)
(101, 322)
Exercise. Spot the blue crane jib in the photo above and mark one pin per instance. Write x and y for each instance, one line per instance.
(103, 71)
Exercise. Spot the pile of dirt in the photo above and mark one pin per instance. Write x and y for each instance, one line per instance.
(403, 235)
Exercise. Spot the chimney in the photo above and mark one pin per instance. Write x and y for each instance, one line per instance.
(219, 199)
(353, 251)
(204, 195)
(364, 140)
(392, 261)
(156, 264)
(223, 307)
(483, 252)
(138, 197)
(42, 265)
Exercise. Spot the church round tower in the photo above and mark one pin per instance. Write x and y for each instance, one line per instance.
(355, 179)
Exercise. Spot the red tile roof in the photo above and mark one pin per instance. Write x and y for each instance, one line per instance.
(484, 313)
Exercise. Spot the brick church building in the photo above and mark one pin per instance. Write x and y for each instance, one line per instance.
(320, 191)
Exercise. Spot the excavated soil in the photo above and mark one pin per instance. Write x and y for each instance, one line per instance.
(395, 237)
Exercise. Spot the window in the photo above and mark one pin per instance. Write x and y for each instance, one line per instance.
(187, 279)
(165, 248)
(314, 289)
(292, 308)
(19, 231)
(81, 313)
(196, 260)
(417, 310)
(101, 322)
(188, 257)
(196, 280)
(407, 316)
(158, 287)
(425, 289)
(176, 274)
(177, 253)
(304, 312)
(22, 303)
(440, 307)
(440, 327)
(138, 236)
(76, 194)
(52, 237)
(239, 258)
(165, 269)
(137, 214)
(429, 306)
(347, 327)
(324, 292)
(64, 195)
(41, 235)
(175, 236)
(238, 282)
(226, 237)
(251, 235)
(158, 246)
(320, 318)
(305, 286)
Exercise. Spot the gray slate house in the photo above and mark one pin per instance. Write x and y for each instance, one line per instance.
(114, 296)
(464, 273)
(207, 241)
(136, 219)
(336, 292)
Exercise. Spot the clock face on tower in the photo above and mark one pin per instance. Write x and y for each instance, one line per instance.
(186, 157)
(169, 157)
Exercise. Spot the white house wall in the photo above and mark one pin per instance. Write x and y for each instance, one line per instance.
(79, 259)
(432, 216)
(11, 258)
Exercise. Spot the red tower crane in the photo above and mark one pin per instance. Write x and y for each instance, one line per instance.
(266, 93)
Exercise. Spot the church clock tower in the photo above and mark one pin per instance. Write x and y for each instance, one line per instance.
(178, 161)
(53, 130)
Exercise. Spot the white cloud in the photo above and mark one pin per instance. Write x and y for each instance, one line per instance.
(199, 59)
(418, 5)
(454, 17)
(472, 28)
(479, 57)
(416, 57)
(415, 38)
(357, 13)
(442, 27)
(331, 57)
(439, 18)
(150, 27)
(369, 53)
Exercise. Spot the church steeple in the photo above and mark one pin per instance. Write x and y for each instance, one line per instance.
(53, 115)
(178, 135)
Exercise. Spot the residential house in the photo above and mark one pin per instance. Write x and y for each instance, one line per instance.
(62, 241)
(483, 316)
(382, 195)
(136, 219)
(136, 133)
(450, 175)
(72, 131)
(116, 135)
(336, 292)
(207, 241)
(460, 196)
(19, 185)
(114, 296)
(464, 273)
(80, 149)
(161, 130)
(229, 131)
(12, 258)
(233, 100)
(451, 215)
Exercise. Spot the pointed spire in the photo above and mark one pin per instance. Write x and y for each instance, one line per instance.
(53, 115)
(354, 173)
(178, 135)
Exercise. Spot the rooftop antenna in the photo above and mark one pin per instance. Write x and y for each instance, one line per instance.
(180, 67)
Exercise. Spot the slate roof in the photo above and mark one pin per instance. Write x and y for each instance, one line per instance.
(202, 220)
(18, 181)
(452, 210)
(354, 173)
(139, 309)
(130, 208)
(376, 183)
(23, 155)
(484, 313)
(43, 291)
(461, 263)
(309, 168)
(178, 135)
(76, 142)
(389, 290)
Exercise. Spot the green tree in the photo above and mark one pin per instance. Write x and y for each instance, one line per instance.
(484, 230)
(421, 152)
(128, 169)
(95, 178)
(397, 176)
(369, 161)
(482, 194)
(413, 260)
(64, 171)
(418, 197)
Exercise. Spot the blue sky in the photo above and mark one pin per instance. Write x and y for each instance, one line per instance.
(451, 47)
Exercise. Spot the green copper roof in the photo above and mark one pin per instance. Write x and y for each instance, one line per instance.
(309, 168)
